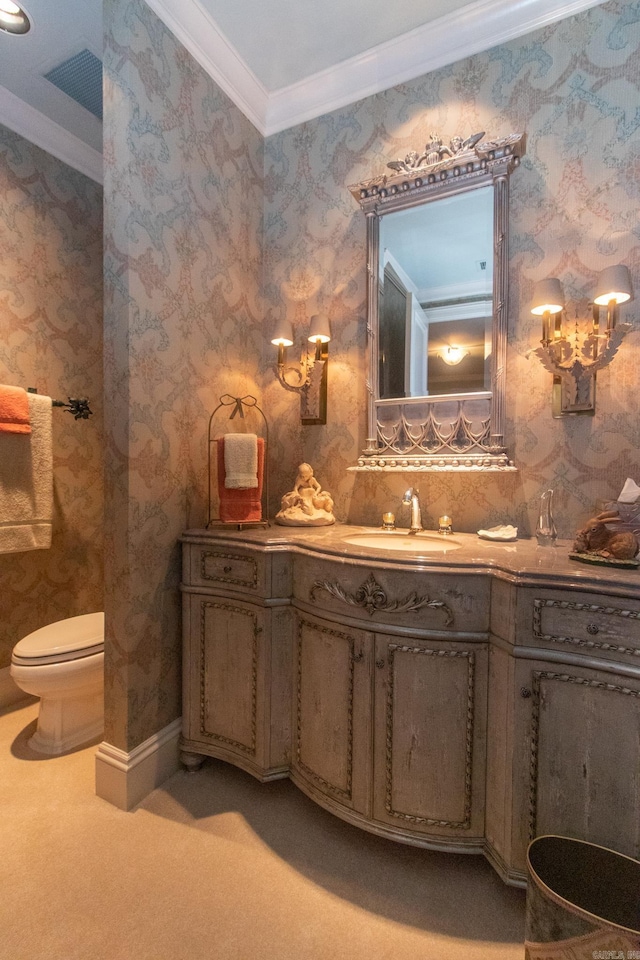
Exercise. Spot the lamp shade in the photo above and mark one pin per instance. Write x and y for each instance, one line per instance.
(614, 283)
(319, 331)
(548, 297)
(283, 333)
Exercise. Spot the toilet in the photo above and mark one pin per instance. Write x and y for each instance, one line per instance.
(62, 664)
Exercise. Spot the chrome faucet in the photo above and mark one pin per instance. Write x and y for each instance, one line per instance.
(412, 498)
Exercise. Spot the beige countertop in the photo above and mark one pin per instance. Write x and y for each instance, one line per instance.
(521, 561)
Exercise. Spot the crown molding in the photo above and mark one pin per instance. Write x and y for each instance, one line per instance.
(476, 27)
(48, 135)
(453, 37)
(198, 32)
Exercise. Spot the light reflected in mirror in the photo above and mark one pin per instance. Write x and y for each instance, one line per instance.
(436, 297)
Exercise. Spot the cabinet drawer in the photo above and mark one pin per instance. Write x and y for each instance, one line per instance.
(418, 599)
(216, 566)
(601, 625)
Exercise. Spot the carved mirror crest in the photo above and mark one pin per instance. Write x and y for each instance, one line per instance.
(437, 264)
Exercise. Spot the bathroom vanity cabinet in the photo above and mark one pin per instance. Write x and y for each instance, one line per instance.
(467, 702)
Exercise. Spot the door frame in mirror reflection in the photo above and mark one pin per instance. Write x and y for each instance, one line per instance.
(455, 431)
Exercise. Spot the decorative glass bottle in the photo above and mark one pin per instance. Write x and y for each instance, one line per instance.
(546, 529)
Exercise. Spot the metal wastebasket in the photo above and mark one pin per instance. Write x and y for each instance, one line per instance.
(583, 902)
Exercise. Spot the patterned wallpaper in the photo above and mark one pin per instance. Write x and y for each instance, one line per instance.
(203, 218)
(183, 188)
(573, 87)
(51, 339)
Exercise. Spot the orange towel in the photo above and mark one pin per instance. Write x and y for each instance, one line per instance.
(240, 506)
(14, 410)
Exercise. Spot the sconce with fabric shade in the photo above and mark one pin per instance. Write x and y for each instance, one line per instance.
(574, 365)
(312, 372)
(548, 301)
(319, 333)
(282, 337)
(614, 284)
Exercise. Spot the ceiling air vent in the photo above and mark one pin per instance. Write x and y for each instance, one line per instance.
(80, 77)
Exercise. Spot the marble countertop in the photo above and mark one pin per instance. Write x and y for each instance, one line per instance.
(520, 561)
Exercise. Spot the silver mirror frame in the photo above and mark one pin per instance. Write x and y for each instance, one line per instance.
(407, 444)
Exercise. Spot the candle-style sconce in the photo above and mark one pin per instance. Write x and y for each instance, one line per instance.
(574, 357)
(311, 373)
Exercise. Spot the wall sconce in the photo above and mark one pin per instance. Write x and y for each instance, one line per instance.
(574, 364)
(312, 371)
(452, 355)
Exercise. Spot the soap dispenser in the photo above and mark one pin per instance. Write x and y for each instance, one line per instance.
(546, 529)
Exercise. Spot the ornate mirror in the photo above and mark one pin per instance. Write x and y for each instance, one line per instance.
(437, 231)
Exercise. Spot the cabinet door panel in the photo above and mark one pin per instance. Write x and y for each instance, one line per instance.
(584, 763)
(228, 672)
(332, 710)
(430, 736)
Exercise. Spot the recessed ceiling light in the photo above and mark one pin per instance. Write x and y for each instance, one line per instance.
(13, 19)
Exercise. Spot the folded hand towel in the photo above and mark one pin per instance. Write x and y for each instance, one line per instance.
(14, 410)
(240, 505)
(240, 461)
(26, 483)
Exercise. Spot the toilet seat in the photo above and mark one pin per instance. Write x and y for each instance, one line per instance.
(71, 639)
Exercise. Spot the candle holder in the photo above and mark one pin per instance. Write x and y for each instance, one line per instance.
(575, 358)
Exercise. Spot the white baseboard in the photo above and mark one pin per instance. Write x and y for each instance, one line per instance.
(9, 692)
(125, 779)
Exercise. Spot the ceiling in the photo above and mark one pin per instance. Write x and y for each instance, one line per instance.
(296, 62)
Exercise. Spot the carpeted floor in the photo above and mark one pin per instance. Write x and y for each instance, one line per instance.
(215, 865)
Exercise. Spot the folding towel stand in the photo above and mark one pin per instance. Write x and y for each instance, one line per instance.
(239, 405)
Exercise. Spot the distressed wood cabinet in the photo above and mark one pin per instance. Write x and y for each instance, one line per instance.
(470, 705)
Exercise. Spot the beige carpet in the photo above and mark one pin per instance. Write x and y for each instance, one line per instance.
(216, 865)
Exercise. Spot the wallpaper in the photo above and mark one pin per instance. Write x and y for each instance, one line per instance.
(573, 88)
(211, 235)
(183, 189)
(51, 339)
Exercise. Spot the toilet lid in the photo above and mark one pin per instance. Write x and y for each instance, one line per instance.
(64, 640)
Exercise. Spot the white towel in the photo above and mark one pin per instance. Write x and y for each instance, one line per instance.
(26, 482)
(240, 461)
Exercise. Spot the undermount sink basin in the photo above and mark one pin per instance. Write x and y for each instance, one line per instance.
(418, 543)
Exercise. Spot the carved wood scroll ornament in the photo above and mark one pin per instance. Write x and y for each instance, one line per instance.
(373, 598)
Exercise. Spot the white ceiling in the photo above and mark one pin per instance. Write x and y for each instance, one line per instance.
(281, 63)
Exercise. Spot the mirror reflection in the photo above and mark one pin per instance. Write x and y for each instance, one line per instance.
(436, 297)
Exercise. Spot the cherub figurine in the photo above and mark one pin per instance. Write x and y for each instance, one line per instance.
(307, 504)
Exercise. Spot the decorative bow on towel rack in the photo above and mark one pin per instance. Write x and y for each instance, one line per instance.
(78, 406)
(249, 401)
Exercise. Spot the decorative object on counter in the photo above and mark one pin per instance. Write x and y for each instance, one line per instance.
(574, 364)
(595, 543)
(312, 372)
(445, 526)
(388, 521)
(546, 532)
(627, 506)
(503, 531)
(237, 481)
(307, 505)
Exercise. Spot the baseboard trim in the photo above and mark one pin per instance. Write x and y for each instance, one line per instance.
(125, 779)
(10, 693)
